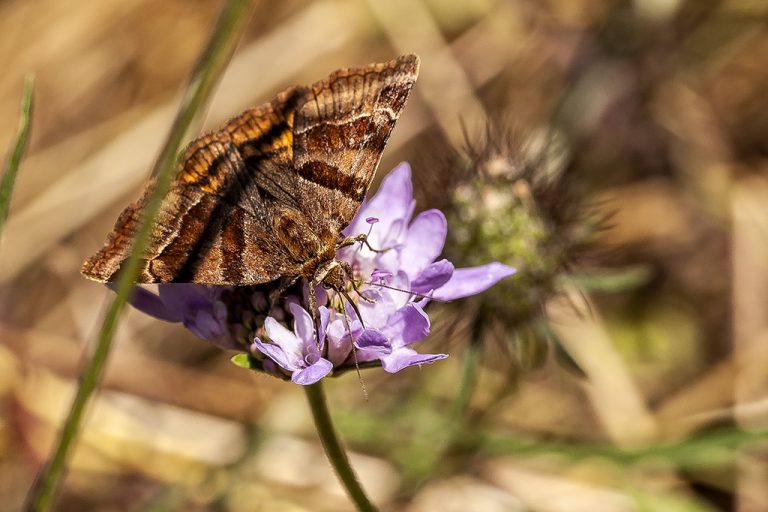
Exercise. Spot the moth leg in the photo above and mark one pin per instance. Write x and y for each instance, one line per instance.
(350, 275)
(313, 309)
(363, 238)
(274, 295)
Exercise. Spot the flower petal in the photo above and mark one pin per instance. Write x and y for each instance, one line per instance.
(302, 323)
(388, 260)
(204, 324)
(281, 336)
(407, 325)
(151, 304)
(433, 277)
(325, 316)
(404, 357)
(473, 280)
(276, 354)
(424, 242)
(181, 297)
(373, 339)
(376, 312)
(312, 373)
(393, 201)
(339, 342)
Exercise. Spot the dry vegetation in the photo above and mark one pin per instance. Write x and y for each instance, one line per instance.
(664, 111)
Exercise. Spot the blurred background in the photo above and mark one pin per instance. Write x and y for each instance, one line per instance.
(614, 151)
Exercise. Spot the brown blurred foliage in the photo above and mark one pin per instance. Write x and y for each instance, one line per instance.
(661, 110)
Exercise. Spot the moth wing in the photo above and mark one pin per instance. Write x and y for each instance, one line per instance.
(215, 226)
(339, 135)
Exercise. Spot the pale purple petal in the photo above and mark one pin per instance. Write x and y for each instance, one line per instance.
(312, 373)
(302, 323)
(375, 313)
(311, 353)
(373, 339)
(283, 337)
(276, 354)
(388, 261)
(181, 297)
(404, 357)
(407, 325)
(380, 276)
(393, 200)
(204, 324)
(398, 291)
(338, 350)
(364, 355)
(339, 342)
(433, 277)
(149, 303)
(424, 241)
(392, 238)
(472, 280)
(325, 316)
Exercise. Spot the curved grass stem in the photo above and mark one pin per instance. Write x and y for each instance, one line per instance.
(14, 158)
(204, 78)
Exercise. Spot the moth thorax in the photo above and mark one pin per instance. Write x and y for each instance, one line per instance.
(331, 274)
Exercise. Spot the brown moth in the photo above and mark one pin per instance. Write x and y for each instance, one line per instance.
(267, 196)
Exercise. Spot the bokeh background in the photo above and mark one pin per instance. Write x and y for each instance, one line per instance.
(624, 143)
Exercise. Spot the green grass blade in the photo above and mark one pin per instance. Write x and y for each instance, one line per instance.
(14, 159)
(206, 75)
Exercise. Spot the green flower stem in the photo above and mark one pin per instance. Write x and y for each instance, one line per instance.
(209, 69)
(333, 449)
(14, 159)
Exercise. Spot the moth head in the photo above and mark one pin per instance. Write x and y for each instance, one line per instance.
(331, 275)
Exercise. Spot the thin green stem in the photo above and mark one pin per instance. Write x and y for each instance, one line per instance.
(333, 449)
(209, 69)
(14, 158)
(710, 449)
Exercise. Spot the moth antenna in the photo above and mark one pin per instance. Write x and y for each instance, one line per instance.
(354, 306)
(409, 292)
(354, 349)
(359, 375)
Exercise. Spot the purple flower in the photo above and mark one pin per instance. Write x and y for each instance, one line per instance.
(299, 352)
(200, 308)
(397, 272)
(397, 268)
(390, 326)
(410, 248)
